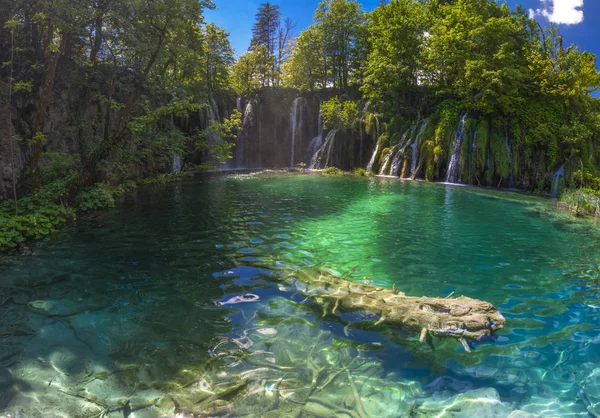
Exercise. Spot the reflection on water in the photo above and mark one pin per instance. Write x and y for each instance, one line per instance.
(173, 305)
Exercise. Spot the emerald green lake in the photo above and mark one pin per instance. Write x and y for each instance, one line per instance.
(172, 304)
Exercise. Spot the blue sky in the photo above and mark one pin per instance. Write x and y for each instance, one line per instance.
(579, 20)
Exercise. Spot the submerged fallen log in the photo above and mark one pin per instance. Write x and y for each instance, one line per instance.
(462, 318)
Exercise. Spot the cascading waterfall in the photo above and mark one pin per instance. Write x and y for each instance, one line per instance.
(247, 123)
(214, 109)
(360, 130)
(177, 164)
(317, 141)
(324, 155)
(386, 160)
(372, 160)
(248, 116)
(453, 167)
(398, 151)
(238, 104)
(415, 150)
(296, 124)
(556, 181)
(415, 147)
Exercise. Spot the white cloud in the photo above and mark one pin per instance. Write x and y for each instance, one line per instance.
(561, 12)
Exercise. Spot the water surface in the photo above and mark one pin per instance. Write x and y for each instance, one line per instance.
(173, 303)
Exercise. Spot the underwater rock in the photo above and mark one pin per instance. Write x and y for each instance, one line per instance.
(590, 393)
(481, 403)
(462, 318)
(61, 308)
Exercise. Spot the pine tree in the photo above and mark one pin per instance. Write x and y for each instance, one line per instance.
(264, 34)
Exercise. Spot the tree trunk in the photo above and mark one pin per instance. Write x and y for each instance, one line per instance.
(109, 141)
(42, 108)
(462, 318)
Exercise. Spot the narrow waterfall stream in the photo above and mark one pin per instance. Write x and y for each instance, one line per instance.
(452, 176)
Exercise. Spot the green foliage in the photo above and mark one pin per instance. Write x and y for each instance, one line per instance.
(58, 166)
(167, 178)
(94, 198)
(499, 155)
(582, 202)
(36, 215)
(395, 36)
(332, 171)
(329, 51)
(482, 132)
(339, 115)
(585, 179)
(360, 172)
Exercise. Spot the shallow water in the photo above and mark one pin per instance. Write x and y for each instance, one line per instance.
(173, 304)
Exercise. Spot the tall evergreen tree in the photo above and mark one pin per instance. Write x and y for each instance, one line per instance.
(264, 34)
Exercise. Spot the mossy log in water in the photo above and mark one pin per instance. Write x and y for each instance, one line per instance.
(462, 318)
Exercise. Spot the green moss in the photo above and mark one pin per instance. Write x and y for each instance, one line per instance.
(499, 155)
(482, 132)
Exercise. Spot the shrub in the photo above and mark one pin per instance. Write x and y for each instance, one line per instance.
(339, 115)
(582, 201)
(361, 172)
(332, 171)
(97, 197)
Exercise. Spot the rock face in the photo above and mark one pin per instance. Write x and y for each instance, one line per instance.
(463, 318)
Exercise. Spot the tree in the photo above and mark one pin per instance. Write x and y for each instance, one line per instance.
(338, 22)
(395, 35)
(264, 36)
(248, 71)
(306, 68)
(284, 45)
(218, 57)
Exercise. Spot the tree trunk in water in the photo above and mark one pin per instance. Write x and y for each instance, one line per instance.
(462, 318)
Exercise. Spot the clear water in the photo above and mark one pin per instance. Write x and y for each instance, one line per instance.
(172, 304)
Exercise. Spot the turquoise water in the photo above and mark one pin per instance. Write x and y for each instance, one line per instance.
(172, 304)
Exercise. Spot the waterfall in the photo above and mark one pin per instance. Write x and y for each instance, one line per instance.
(296, 124)
(248, 116)
(415, 150)
(415, 147)
(372, 160)
(324, 155)
(317, 141)
(377, 127)
(555, 182)
(398, 151)
(177, 164)
(214, 109)
(238, 104)
(386, 160)
(452, 168)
